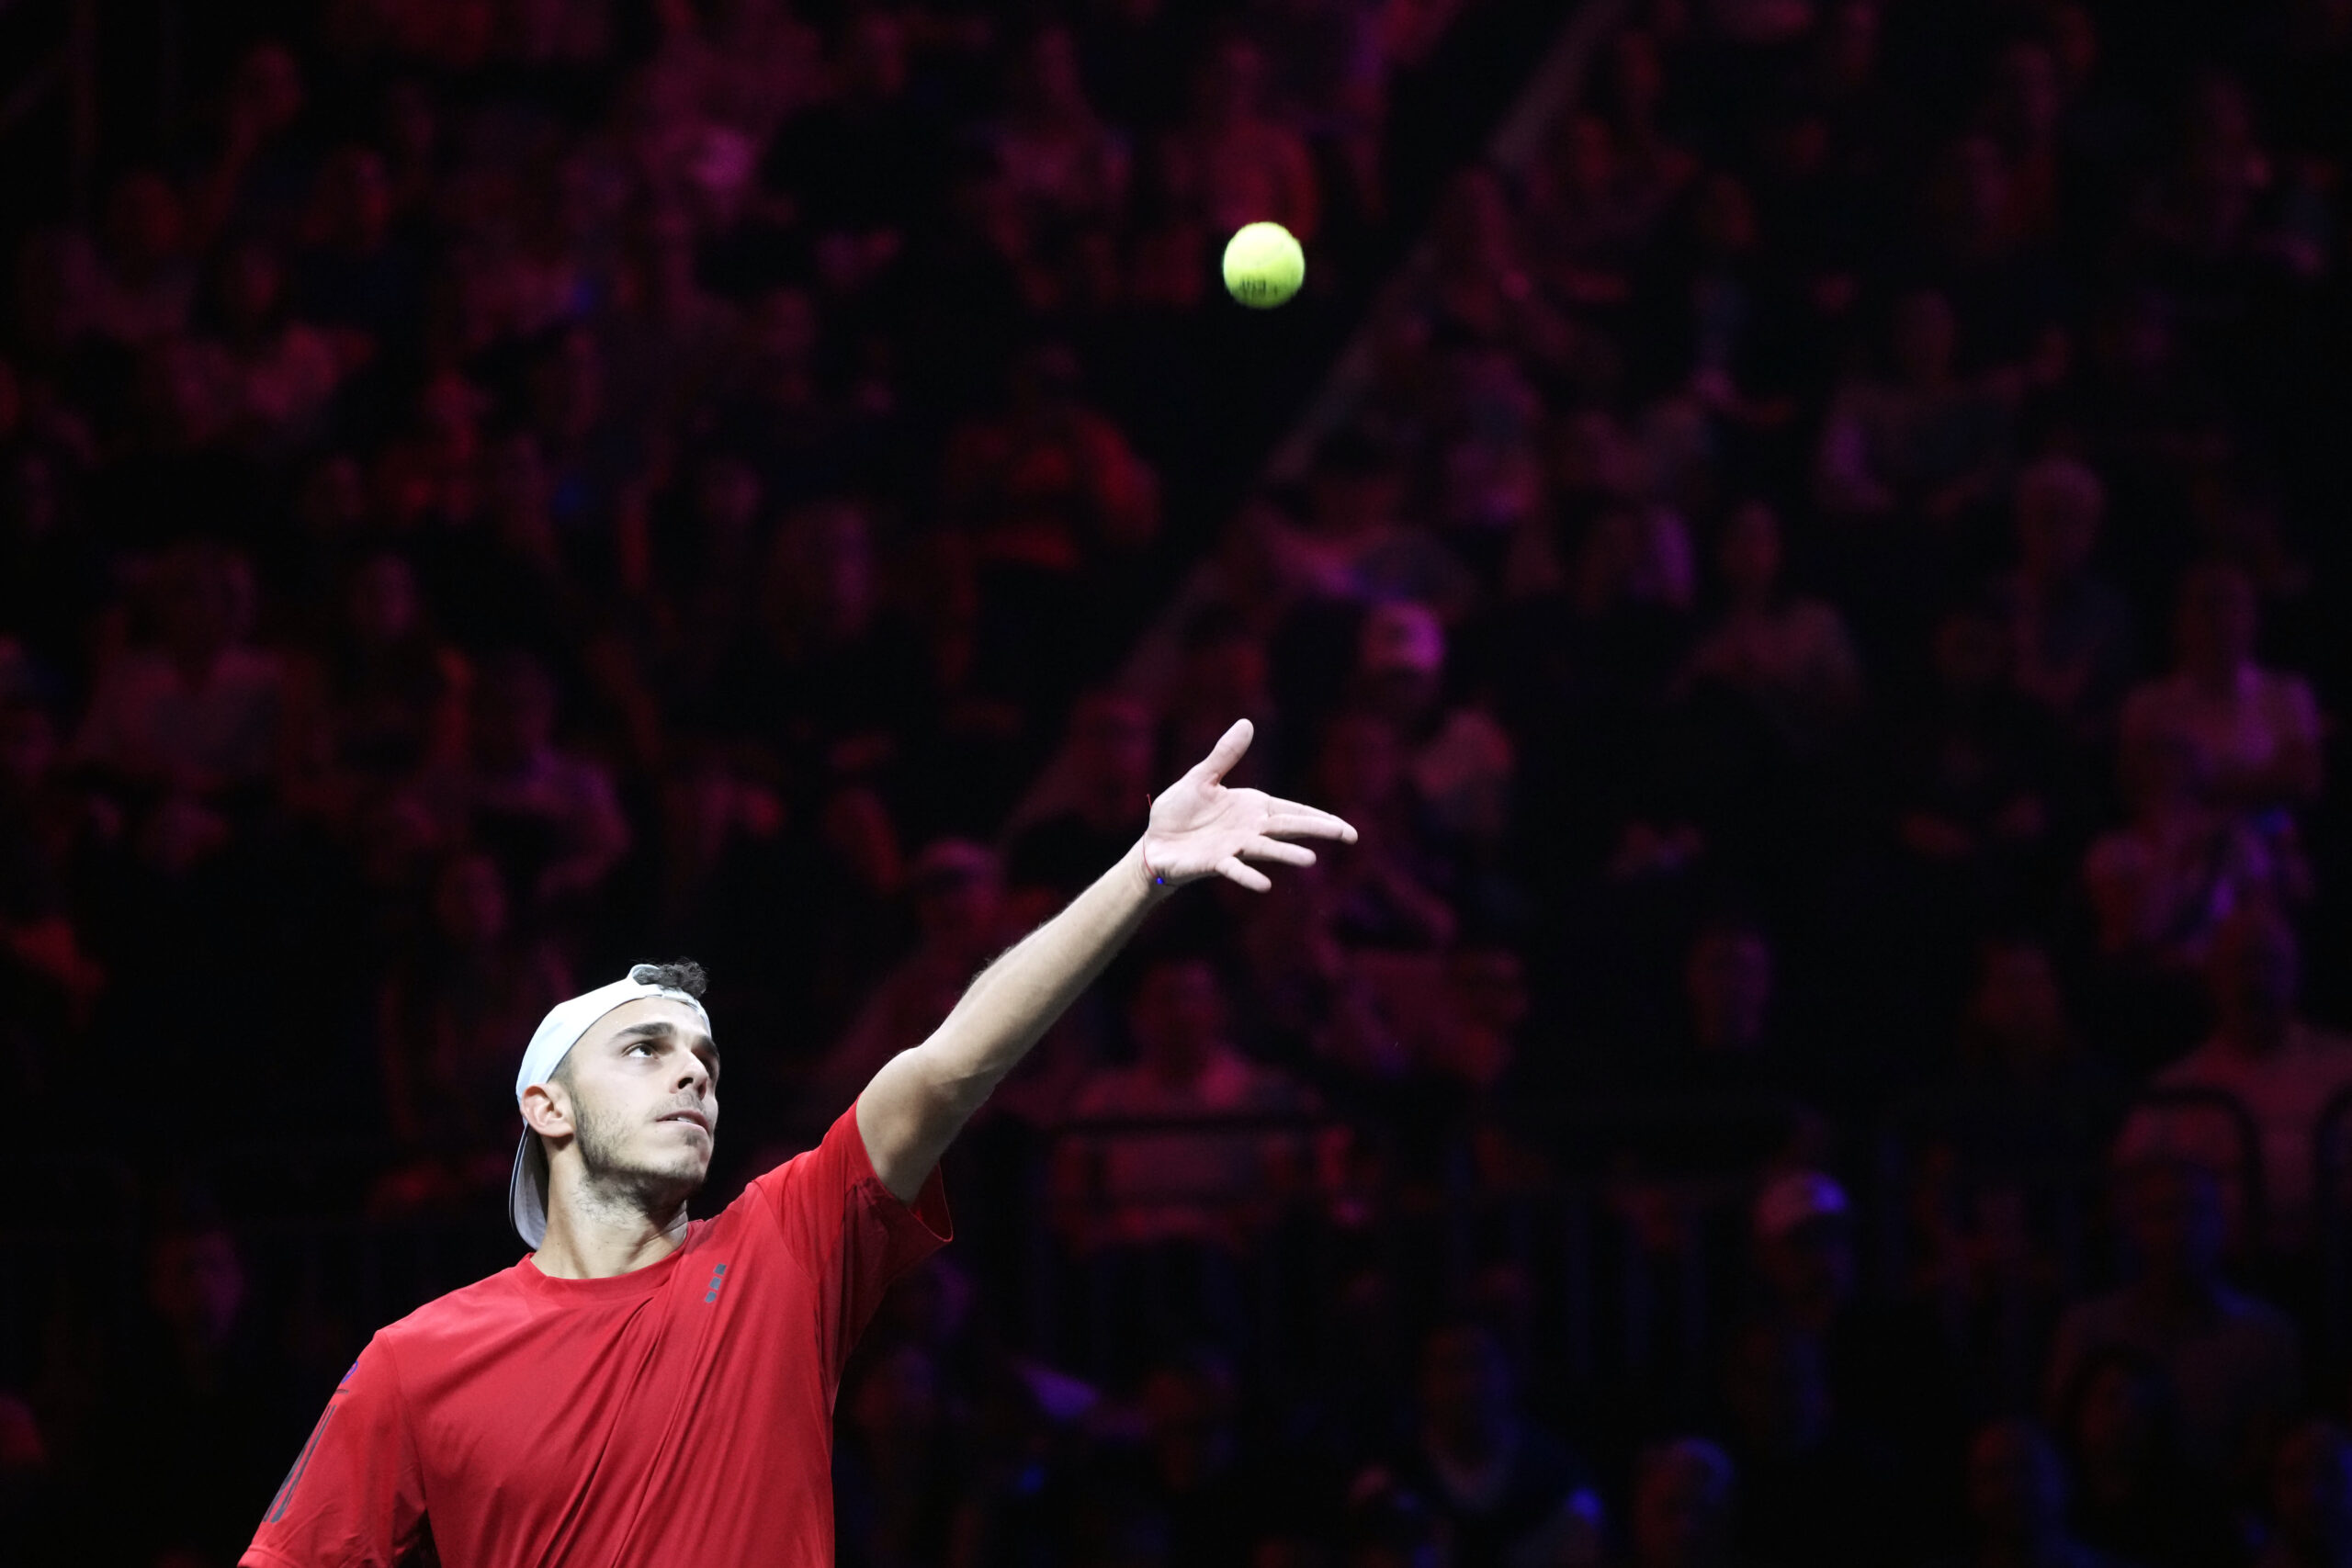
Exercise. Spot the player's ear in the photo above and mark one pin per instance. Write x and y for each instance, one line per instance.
(547, 1110)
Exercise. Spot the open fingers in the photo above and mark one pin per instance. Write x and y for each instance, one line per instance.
(1279, 852)
(1232, 870)
(1289, 820)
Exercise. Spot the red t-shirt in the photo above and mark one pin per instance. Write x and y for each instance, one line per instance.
(678, 1417)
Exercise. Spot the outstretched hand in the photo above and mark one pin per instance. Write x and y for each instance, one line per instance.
(1199, 828)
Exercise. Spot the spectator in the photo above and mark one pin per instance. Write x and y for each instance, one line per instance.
(1335, 60)
(1711, 325)
(2016, 1501)
(392, 691)
(1217, 1506)
(669, 340)
(595, 451)
(1054, 483)
(957, 890)
(1234, 161)
(1224, 672)
(1980, 775)
(1384, 893)
(2026, 1088)
(259, 175)
(1139, 1189)
(1481, 1014)
(1483, 275)
(869, 160)
(1110, 763)
(1164, 1219)
(2164, 884)
(1592, 653)
(2255, 730)
(197, 1405)
(711, 582)
(549, 816)
(445, 1023)
(1980, 231)
(1357, 545)
(55, 568)
(1818, 1487)
(1924, 443)
(24, 1477)
(277, 373)
(824, 678)
(778, 405)
(199, 712)
(2134, 1496)
(1727, 987)
(900, 1472)
(1492, 468)
(1636, 93)
(145, 285)
(437, 474)
(1462, 759)
(2282, 1070)
(49, 833)
(2311, 1499)
(1507, 1490)
(2233, 1361)
(355, 275)
(517, 584)
(1882, 1364)
(1788, 657)
(1588, 215)
(2025, 1097)
(1053, 157)
(1683, 1511)
(1392, 1528)
(2071, 630)
(1050, 491)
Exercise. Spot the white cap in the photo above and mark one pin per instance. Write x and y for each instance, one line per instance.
(527, 1194)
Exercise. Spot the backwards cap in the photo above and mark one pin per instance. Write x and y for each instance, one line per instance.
(527, 1194)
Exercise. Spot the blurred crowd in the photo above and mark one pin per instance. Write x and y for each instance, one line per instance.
(1812, 591)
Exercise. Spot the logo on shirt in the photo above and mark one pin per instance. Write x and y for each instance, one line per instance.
(717, 1278)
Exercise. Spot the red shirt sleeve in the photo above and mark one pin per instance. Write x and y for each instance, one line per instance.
(355, 1497)
(852, 1235)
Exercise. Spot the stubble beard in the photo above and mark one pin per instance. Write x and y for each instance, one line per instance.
(657, 1191)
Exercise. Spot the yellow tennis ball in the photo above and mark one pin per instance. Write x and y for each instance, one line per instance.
(1263, 265)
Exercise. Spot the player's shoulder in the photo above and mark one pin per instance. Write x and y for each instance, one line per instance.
(462, 1313)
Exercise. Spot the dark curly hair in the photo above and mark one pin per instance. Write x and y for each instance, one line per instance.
(681, 975)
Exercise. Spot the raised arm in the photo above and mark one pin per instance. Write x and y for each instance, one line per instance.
(922, 1098)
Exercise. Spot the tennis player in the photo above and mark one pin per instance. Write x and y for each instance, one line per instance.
(648, 1390)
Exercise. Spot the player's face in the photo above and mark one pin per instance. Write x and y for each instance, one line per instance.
(645, 1098)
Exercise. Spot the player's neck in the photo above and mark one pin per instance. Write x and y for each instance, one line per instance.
(587, 1240)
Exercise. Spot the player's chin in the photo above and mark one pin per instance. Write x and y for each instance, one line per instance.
(675, 1180)
(689, 1165)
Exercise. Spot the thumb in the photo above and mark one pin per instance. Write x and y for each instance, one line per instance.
(1228, 750)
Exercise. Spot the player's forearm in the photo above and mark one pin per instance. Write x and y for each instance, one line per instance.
(1016, 998)
(922, 1098)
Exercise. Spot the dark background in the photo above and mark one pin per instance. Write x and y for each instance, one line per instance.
(1815, 567)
